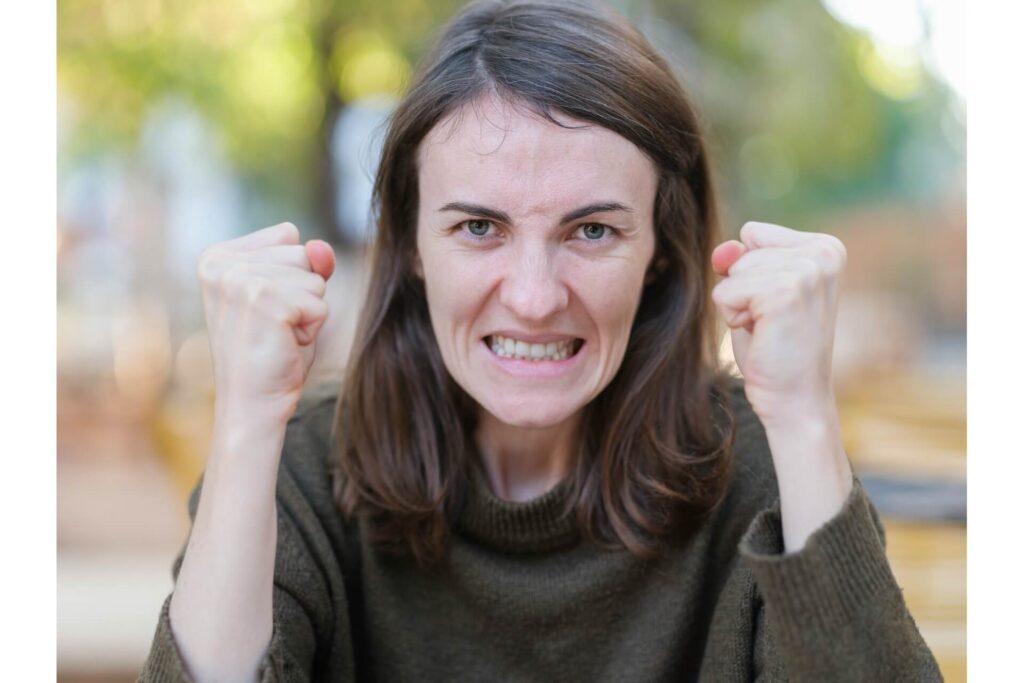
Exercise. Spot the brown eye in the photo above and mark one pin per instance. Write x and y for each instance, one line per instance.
(478, 228)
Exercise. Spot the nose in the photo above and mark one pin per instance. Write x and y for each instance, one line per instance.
(532, 287)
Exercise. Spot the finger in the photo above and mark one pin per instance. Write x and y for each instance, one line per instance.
(308, 315)
(283, 278)
(756, 235)
(321, 257)
(735, 297)
(757, 259)
(725, 255)
(292, 255)
(743, 320)
(282, 233)
(296, 278)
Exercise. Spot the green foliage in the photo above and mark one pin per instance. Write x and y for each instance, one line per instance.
(795, 121)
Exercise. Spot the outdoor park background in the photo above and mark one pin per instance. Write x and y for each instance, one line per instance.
(188, 122)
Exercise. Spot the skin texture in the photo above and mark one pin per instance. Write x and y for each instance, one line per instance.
(531, 274)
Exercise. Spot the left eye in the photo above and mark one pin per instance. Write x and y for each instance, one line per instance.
(477, 227)
(593, 231)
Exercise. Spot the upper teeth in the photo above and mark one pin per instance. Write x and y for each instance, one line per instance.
(513, 348)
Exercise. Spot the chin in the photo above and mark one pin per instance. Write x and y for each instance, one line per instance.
(530, 414)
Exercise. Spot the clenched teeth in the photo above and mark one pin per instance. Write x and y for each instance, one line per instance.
(507, 347)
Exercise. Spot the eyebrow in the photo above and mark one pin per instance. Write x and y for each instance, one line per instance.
(502, 217)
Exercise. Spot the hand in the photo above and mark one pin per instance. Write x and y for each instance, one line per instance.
(778, 296)
(263, 301)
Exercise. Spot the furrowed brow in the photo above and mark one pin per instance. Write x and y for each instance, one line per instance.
(502, 217)
(601, 207)
(477, 210)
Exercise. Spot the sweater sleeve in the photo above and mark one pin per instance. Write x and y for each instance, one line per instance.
(832, 611)
(310, 613)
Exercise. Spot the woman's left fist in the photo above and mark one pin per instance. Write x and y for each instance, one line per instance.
(779, 295)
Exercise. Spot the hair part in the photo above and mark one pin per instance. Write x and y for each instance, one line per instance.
(655, 451)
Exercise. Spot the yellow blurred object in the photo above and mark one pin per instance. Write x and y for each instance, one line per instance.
(930, 564)
(181, 431)
(906, 424)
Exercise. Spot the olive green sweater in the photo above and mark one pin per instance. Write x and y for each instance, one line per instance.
(525, 599)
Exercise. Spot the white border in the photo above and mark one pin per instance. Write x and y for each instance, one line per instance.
(995, 266)
(28, 265)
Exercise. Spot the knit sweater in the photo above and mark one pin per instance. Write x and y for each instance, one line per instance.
(525, 598)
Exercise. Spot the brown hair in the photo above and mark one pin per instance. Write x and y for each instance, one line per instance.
(652, 457)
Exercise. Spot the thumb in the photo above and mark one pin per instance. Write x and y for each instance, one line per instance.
(726, 254)
(321, 258)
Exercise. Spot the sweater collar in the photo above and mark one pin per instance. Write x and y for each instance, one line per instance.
(537, 525)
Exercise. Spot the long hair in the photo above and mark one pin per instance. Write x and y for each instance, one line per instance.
(654, 453)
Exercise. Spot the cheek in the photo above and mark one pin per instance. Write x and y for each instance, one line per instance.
(611, 296)
(456, 289)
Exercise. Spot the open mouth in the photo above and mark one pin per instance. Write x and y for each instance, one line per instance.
(506, 347)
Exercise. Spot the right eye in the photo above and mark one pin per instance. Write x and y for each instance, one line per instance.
(477, 228)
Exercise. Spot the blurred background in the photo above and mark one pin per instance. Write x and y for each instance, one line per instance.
(189, 122)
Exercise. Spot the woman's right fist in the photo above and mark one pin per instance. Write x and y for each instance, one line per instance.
(263, 297)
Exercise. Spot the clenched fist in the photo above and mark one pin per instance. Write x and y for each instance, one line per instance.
(779, 296)
(263, 297)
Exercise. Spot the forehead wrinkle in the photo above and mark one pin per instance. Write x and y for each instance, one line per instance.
(534, 174)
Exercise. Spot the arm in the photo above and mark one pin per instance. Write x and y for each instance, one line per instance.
(830, 599)
(221, 608)
(309, 604)
(263, 301)
(832, 611)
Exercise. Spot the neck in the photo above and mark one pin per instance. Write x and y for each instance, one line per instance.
(523, 463)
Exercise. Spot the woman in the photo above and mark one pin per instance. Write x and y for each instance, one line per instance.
(534, 469)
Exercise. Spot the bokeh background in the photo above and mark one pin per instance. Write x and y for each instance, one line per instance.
(188, 122)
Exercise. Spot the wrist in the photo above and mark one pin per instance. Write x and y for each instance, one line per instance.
(802, 414)
(235, 408)
(246, 443)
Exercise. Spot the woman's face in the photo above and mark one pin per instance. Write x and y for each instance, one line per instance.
(533, 244)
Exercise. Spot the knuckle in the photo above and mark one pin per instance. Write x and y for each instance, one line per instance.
(840, 251)
(260, 290)
(793, 286)
(832, 254)
(205, 269)
(291, 231)
(809, 277)
(233, 278)
(209, 265)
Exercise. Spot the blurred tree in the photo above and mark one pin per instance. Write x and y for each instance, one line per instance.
(798, 118)
(272, 75)
(805, 114)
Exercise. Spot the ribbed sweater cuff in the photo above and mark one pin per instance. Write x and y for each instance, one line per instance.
(165, 662)
(838, 574)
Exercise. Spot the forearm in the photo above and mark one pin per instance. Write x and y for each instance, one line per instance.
(812, 469)
(222, 607)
